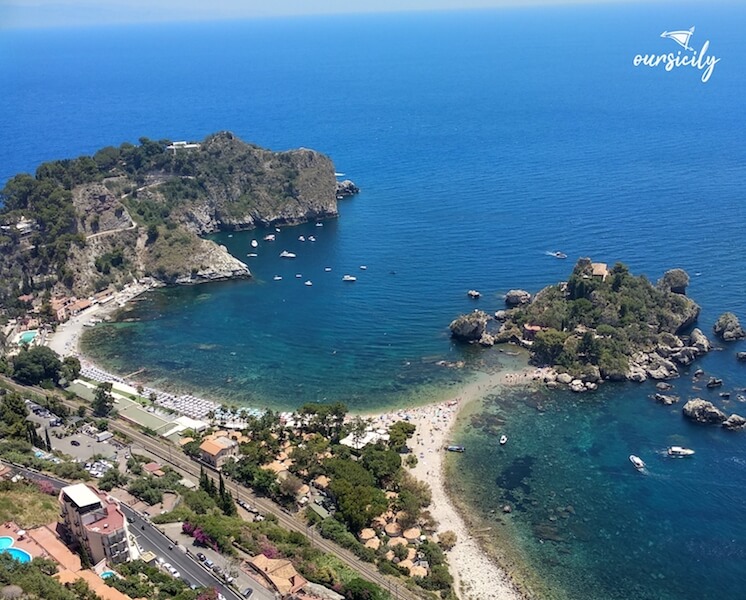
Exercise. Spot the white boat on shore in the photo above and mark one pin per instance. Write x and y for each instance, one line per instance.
(679, 451)
(637, 462)
(349, 278)
(286, 254)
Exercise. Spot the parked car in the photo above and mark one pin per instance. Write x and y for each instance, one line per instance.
(247, 592)
(208, 563)
(75, 443)
(217, 570)
(201, 557)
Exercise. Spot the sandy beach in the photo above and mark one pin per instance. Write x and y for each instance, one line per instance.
(65, 340)
(476, 576)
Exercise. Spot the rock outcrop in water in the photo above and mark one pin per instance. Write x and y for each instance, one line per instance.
(605, 324)
(345, 189)
(139, 210)
(703, 411)
(470, 327)
(728, 328)
(734, 423)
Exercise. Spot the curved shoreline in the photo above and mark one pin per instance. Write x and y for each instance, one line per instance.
(476, 574)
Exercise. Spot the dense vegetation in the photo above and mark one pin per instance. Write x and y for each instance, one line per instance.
(141, 580)
(593, 322)
(36, 582)
(49, 219)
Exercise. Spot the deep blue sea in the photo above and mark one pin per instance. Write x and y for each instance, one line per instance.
(480, 140)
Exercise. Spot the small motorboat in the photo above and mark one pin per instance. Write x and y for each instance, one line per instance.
(298, 275)
(311, 238)
(270, 237)
(277, 278)
(319, 224)
(286, 254)
(301, 238)
(363, 267)
(327, 269)
(503, 440)
(473, 294)
(277, 229)
(679, 452)
(725, 395)
(714, 382)
(455, 449)
(637, 462)
(309, 283)
(558, 254)
(254, 243)
(252, 255)
(741, 398)
(349, 278)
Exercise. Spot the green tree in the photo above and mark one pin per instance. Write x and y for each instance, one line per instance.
(32, 367)
(360, 589)
(70, 368)
(103, 402)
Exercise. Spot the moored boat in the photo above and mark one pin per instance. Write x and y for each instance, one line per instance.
(309, 283)
(270, 237)
(455, 449)
(286, 254)
(277, 277)
(679, 451)
(349, 278)
(503, 440)
(637, 461)
(254, 243)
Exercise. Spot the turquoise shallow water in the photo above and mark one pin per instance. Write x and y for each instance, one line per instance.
(480, 140)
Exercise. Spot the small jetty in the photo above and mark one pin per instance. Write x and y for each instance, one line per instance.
(455, 449)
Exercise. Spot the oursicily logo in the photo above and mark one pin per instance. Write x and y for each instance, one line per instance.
(689, 57)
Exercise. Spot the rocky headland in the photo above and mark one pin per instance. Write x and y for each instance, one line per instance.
(600, 324)
(81, 225)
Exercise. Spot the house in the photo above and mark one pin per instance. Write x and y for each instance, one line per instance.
(92, 520)
(530, 331)
(216, 451)
(599, 271)
(279, 573)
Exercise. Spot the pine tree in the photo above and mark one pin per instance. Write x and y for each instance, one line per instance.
(49, 442)
(204, 484)
(221, 488)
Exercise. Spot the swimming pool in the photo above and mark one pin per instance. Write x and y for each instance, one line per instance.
(107, 574)
(5, 542)
(28, 336)
(20, 555)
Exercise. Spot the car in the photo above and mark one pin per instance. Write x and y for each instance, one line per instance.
(217, 570)
(208, 563)
(228, 579)
(201, 557)
(75, 443)
(247, 592)
(131, 519)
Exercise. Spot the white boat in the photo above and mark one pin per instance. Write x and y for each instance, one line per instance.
(252, 255)
(503, 440)
(327, 269)
(298, 275)
(286, 254)
(277, 278)
(309, 282)
(277, 229)
(301, 238)
(679, 451)
(319, 224)
(363, 267)
(269, 237)
(349, 278)
(311, 238)
(339, 174)
(557, 254)
(254, 243)
(637, 461)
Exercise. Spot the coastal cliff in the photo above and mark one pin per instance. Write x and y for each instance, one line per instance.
(601, 324)
(82, 225)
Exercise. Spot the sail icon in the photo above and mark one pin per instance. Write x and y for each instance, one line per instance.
(680, 37)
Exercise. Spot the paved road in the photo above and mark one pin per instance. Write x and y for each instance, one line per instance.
(184, 465)
(150, 538)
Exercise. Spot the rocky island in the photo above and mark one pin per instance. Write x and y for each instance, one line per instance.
(601, 324)
(82, 225)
